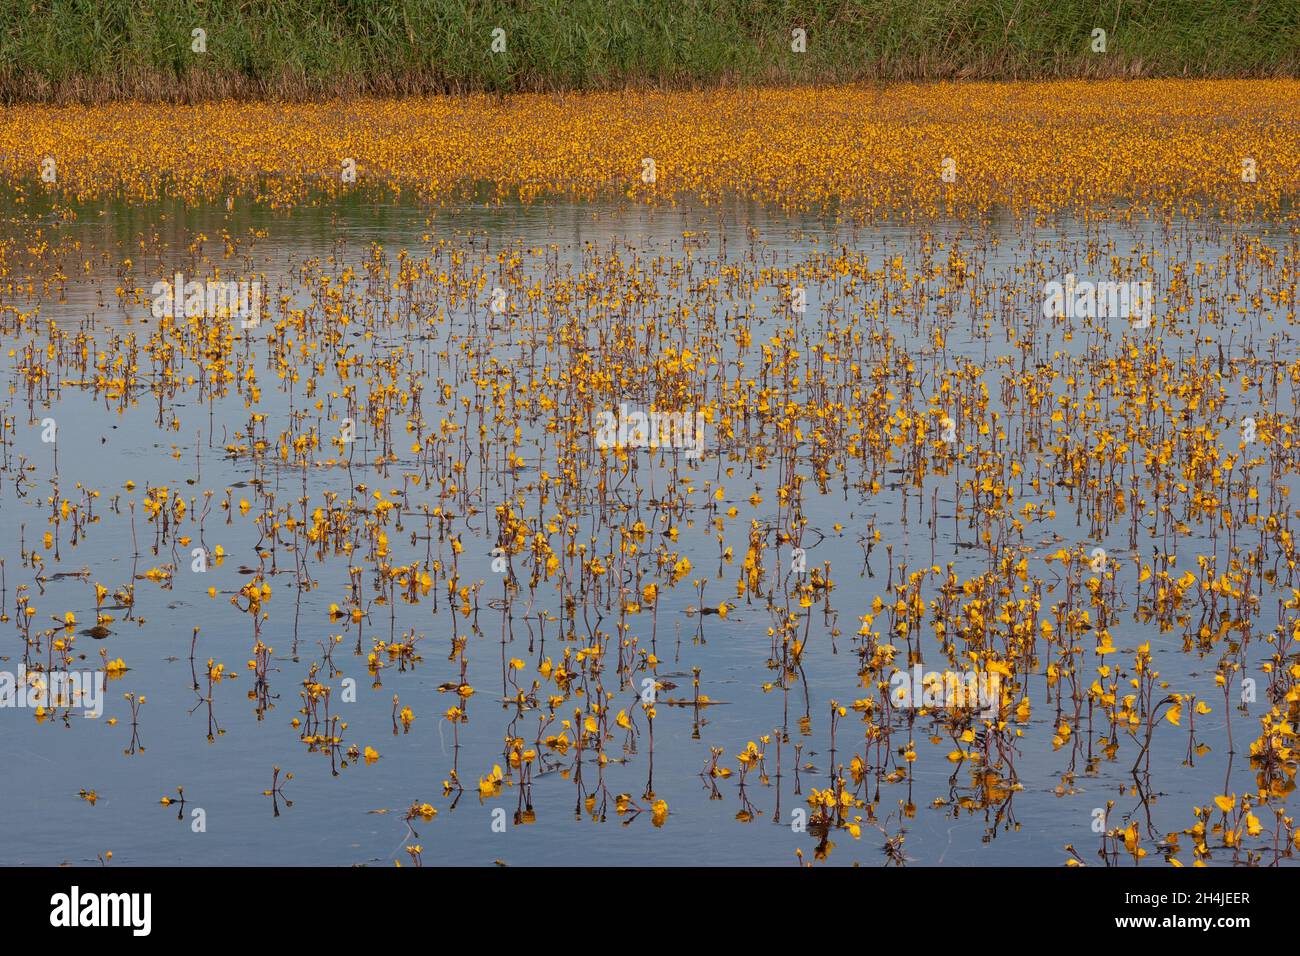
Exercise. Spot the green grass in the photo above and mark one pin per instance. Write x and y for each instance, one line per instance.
(84, 50)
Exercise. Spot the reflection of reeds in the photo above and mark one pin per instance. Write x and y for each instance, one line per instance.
(143, 49)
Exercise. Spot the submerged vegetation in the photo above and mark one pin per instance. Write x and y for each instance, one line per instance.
(146, 49)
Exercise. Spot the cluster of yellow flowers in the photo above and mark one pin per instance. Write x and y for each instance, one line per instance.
(903, 150)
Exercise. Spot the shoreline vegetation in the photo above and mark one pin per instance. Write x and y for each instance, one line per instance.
(56, 51)
(1173, 147)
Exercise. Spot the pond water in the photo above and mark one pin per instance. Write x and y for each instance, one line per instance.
(906, 374)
